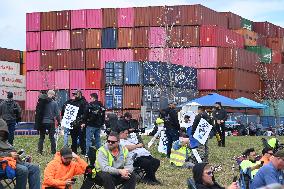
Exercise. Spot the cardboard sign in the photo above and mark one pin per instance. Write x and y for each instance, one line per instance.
(202, 131)
(70, 115)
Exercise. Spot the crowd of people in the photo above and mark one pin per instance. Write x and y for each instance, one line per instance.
(118, 159)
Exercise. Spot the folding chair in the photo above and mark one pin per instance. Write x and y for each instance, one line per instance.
(140, 173)
(8, 182)
(245, 179)
(191, 184)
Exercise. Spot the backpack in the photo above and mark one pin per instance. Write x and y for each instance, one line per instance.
(13, 109)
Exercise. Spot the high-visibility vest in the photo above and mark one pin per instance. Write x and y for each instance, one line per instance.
(178, 157)
(159, 121)
(109, 156)
(272, 142)
(245, 164)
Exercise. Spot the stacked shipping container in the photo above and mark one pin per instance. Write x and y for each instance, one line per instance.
(69, 50)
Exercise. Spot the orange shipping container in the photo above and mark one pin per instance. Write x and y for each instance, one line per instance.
(249, 36)
(142, 16)
(132, 97)
(109, 18)
(23, 69)
(93, 38)
(125, 37)
(141, 37)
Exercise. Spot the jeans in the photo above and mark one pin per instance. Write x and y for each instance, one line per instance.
(172, 135)
(27, 171)
(11, 127)
(51, 131)
(90, 133)
(65, 139)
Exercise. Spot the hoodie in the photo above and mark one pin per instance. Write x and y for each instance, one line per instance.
(5, 147)
(8, 110)
(56, 173)
(197, 171)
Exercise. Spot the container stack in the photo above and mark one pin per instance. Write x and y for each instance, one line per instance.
(11, 80)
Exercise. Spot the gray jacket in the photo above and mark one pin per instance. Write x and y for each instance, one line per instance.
(8, 109)
(51, 111)
(118, 163)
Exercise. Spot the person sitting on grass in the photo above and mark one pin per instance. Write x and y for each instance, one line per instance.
(60, 171)
(250, 163)
(25, 171)
(204, 178)
(267, 153)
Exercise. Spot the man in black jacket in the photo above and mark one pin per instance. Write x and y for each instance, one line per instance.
(77, 130)
(10, 111)
(170, 117)
(94, 118)
(220, 116)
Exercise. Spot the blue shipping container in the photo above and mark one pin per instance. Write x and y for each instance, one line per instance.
(61, 97)
(113, 97)
(184, 77)
(133, 73)
(151, 97)
(114, 73)
(155, 73)
(109, 38)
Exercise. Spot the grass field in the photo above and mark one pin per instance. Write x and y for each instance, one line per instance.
(171, 177)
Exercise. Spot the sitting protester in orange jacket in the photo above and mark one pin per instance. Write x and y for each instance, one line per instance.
(60, 171)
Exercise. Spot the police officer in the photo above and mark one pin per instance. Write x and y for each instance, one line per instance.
(220, 116)
(170, 117)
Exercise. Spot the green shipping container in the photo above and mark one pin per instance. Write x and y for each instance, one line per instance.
(247, 24)
(264, 54)
(270, 112)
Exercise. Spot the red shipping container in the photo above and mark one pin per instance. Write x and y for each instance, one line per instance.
(272, 72)
(109, 18)
(191, 57)
(177, 56)
(94, 18)
(48, 80)
(36, 80)
(275, 43)
(94, 79)
(276, 57)
(234, 20)
(107, 55)
(47, 39)
(208, 57)
(62, 79)
(93, 59)
(33, 60)
(173, 15)
(125, 55)
(175, 36)
(141, 54)
(132, 96)
(205, 75)
(280, 31)
(62, 39)
(78, 39)
(48, 21)
(63, 60)
(125, 17)
(93, 38)
(48, 60)
(77, 79)
(141, 37)
(78, 19)
(33, 21)
(190, 36)
(157, 15)
(77, 59)
(31, 100)
(261, 40)
(265, 28)
(220, 37)
(33, 41)
(157, 37)
(141, 16)
(10, 55)
(125, 37)
(63, 20)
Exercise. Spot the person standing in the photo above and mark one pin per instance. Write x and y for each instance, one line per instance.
(170, 117)
(77, 130)
(94, 119)
(50, 113)
(10, 111)
(220, 116)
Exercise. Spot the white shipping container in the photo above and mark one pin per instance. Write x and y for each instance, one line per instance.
(9, 68)
(13, 80)
(19, 93)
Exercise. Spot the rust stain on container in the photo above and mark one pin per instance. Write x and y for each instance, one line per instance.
(63, 59)
(141, 54)
(93, 60)
(132, 96)
(142, 16)
(157, 16)
(125, 37)
(78, 39)
(48, 20)
(141, 37)
(109, 18)
(190, 36)
(63, 20)
(93, 38)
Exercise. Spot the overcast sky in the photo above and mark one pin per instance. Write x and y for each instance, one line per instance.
(12, 12)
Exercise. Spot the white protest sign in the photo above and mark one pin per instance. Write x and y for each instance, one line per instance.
(196, 155)
(202, 131)
(70, 115)
(162, 148)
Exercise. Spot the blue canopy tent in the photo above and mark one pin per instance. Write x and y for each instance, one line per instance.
(210, 99)
(250, 103)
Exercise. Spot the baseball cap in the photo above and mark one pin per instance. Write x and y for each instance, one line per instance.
(279, 153)
(66, 152)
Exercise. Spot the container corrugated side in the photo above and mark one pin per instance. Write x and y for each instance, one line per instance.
(33, 21)
(94, 18)
(33, 60)
(204, 76)
(132, 97)
(78, 39)
(93, 38)
(109, 18)
(62, 79)
(93, 59)
(47, 39)
(33, 41)
(133, 73)
(62, 39)
(77, 79)
(48, 21)
(78, 19)
(125, 17)
(125, 37)
(63, 59)
(109, 38)
(31, 100)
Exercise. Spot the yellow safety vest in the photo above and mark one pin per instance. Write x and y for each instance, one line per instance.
(159, 121)
(110, 158)
(178, 157)
(245, 164)
(272, 142)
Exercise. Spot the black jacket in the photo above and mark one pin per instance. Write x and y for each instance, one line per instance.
(170, 118)
(197, 119)
(10, 110)
(43, 100)
(78, 102)
(220, 115)
(94, 115)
